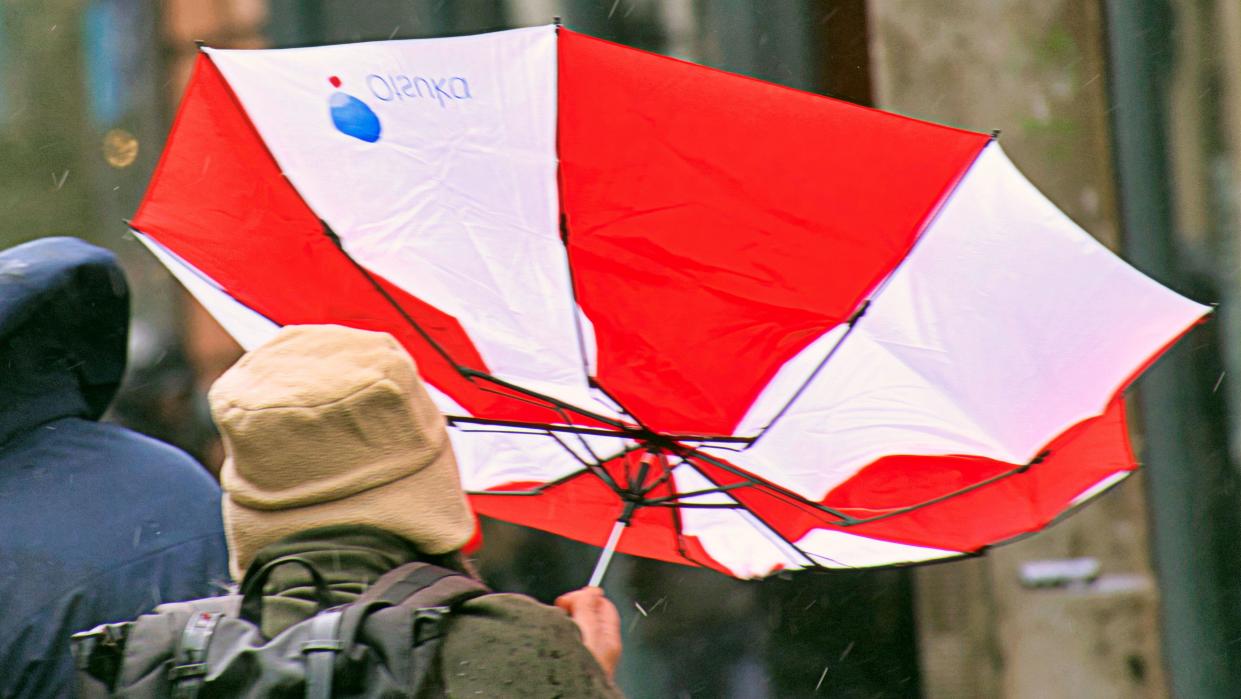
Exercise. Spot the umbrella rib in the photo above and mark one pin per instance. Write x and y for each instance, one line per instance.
(667, 476)
(676, 498)
(620, 433)
(851, 324)
(577, 312)
(697, 505)
(848, 520)
(769, 486)
(767, 530)
(555, 408)
(577, 322)
(737, 506)
(956, 493)
(474, 373)
(580, 438)
(678, 526)
(497, 431)
(464, 371)
(596, 469)
(331, 235)
(594, 383)
(537, 490)
(576, 457)
(536, 427)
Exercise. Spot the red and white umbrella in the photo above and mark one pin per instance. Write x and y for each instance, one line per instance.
(766, 329)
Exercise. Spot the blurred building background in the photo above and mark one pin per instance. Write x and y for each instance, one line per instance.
(1127, 113)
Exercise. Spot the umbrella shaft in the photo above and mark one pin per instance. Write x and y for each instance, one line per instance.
(601, 568)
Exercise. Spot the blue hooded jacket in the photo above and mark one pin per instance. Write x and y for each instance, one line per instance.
(97, 523)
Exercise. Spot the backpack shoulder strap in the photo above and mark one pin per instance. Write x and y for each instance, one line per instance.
(419, 586)
(417, 582)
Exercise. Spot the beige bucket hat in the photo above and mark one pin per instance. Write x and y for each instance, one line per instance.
(327, 425)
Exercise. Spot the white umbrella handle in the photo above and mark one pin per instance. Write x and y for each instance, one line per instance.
(601, 568)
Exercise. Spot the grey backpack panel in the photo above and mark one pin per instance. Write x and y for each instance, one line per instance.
(383, 644)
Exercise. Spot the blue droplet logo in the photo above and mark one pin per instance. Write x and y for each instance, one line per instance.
(352, 117)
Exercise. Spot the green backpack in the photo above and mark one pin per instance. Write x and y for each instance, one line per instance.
(383, 644)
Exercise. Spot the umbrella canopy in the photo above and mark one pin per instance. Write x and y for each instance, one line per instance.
(767, 329)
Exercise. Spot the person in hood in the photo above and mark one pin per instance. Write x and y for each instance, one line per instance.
(97, 523)
(336, 454)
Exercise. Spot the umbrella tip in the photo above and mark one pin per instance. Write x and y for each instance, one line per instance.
(995, 134)
(200, 44)
(556, 21)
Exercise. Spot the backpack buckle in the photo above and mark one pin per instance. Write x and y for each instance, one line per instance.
(427, 621)
(191, 658)
(320, 651)
(187, 672)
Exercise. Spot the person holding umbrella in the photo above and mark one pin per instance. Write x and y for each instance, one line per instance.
(339, 465)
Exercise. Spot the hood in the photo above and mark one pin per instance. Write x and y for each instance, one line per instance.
(64, 322)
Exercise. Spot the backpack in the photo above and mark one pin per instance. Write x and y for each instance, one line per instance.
(383, 644)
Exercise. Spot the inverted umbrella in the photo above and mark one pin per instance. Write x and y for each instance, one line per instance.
(752, 328)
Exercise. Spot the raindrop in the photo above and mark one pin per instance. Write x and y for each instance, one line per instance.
(613, 10)
(1218, 381)
(821, 678)
(59, 182)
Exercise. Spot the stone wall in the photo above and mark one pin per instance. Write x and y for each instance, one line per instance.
(1035, 71)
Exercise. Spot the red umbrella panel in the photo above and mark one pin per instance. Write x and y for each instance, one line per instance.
(766, 329)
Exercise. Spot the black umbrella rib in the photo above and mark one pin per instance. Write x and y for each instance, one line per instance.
(850, 325)
(536, 427)
(464, 371)
(697, 505)
(331, 234)
(551, 401)
(667, 476)
(678, 498)
(769, 487)
(948, 496)
(594, 383)
(577, 316)
(596, 468)
(557, 403)
(580, 438)
(768, 529)
(537, 490)
(848, 520)
(577, 321)
(623, 432)
(678, 526)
